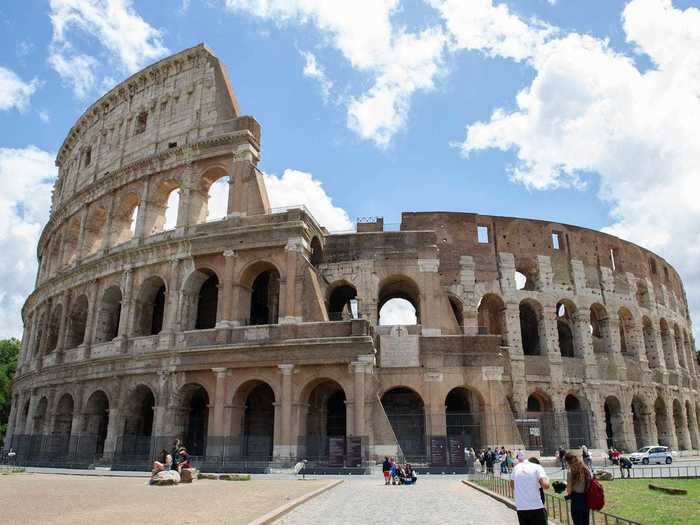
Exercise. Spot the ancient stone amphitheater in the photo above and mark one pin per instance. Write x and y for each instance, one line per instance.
(258, 337)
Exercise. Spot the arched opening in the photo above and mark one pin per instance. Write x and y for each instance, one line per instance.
(538, 431)
(650, 343)
(639, 415)
(565, 328)
(667, 345)
(217, 196)
(172, 204)
(124, 219)
(463, 418)
(63, 425)
(662, 428)
(54, 328)
(614, 424)
(195, 404)
(201, 300)
(259, 422)
(264, 299)
(678, 340)
(38, 337)
(526, 274)
(577, 422)
(530, 327)
(94, 230)
(491, 315)
(316, 252)
(108, 315)
(150, 307)
(77, 322)
(692, 425)
(97, 419)
(600, 329)
(326, 422)
(138, 423)
(626, 326)
(406, 413)
(40, 416)
(71, 237)
(680, 426)
(399, 302)
(342, 302)
(457, 311)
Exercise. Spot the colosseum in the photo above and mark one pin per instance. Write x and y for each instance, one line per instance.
(258, 337)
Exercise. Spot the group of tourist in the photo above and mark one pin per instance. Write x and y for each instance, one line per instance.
(171, 464)
(489, 457)
(397, 474)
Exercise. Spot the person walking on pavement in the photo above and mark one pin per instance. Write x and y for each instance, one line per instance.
(528, 479)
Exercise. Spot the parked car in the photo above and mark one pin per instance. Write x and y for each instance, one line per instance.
(653, 454)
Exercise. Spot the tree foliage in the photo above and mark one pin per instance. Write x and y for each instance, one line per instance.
(9, 351)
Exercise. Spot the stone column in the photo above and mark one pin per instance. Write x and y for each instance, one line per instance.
(649, 433)
(91, 319)
(79, 249)
(684, 439)
(285, 446)
(358, 420)
(599, 437)
(15, 408)
(140, 229)
(289, 313)
(219, 401)
(30, 422)
(125, 322)
(230, 259)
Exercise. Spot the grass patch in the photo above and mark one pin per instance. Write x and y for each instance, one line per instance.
(632, 499)
(11, 470)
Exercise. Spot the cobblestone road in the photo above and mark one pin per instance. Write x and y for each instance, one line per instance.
(366, 500)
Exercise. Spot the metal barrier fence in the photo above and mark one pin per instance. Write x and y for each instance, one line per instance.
(558, 509)
(654, 472)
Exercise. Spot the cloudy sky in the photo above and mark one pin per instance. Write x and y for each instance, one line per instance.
(582, 112)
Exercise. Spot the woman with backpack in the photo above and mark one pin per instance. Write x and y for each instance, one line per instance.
(577, 480)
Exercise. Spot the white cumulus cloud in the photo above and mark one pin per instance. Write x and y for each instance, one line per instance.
(125, 40)
(26, 178)
(15, 92)
(399, 62)
(591, 110)
(313, 70)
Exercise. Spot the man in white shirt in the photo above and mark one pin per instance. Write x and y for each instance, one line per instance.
(528, 479)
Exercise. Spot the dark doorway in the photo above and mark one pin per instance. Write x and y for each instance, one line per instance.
(259, 423)
(264, 301)
(406, 413)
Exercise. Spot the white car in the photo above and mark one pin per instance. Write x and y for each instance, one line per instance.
(653, 454)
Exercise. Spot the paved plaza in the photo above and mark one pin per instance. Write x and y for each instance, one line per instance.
(434, 499)
(51, 499)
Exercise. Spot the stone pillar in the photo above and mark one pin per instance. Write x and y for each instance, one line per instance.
(230, 259)
(171, 323)
(79, 249)
(144, 205)
(30, 422)
(358, 408)
(107, 239)
(115, 424)
(289, 311)
(125, 318)
(15, 408)
(684, 441)
(599, 437)
(91, 319)
(219, 401)
(649, 433)
(283, 449)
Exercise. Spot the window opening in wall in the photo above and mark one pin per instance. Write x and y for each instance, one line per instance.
(207, 303)
(397, 311)
(141, 121)
(482, 234)
(555, 241)
(172, 145)
(399, 302)
(341, 302)
(171, 210)
(132, 221)
(88, 156)
(520, 281)
(217, 205)
(264, 302)
(529, 329)
(652, 265)
(565, 330)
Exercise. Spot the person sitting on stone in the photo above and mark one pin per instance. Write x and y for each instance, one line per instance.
(164, 462)
(184, 460)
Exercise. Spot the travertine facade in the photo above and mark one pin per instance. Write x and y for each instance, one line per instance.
(258, 335)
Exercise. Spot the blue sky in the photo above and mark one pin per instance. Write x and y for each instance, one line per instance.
(381, 130)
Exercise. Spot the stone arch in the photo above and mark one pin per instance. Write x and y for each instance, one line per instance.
(565, 311)
(95, 225)
(491, 314)
(108, 315)
(210, 202)
(341, 298)
(614, 424)
(464, 413)
(150, 306)
(139, 410)
(526, 274)
(201, 300)
(71, 238)
(662, 428)
(124, 218)
(667, 344)
(194, 420)
(54, 328)
(577, 421)
(257, 398)
(642, 294)
(405, 410)
(600, 328)
(457, 309)
(680, 425)
(650, 348)
(692, 425)
(400, 291)
(532, 330)
(326, 418)
(680, 350)
(628, 344)
(40, 416)
(316, 251)
(63, 420)
(97, 419)
(163, 206)
(77, 322)
(540, 416)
